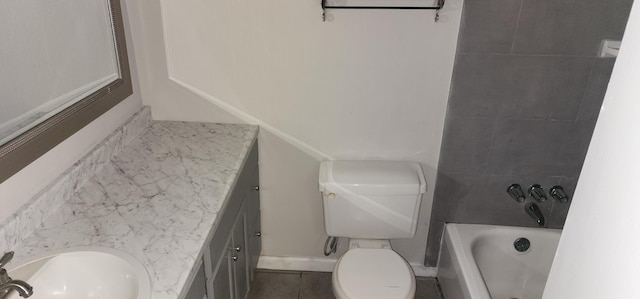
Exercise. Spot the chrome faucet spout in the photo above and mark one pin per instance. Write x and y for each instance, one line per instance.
(7, 284)
(23, 289)
(535, 213)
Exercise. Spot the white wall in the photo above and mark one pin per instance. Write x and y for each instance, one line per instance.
(598, 255)
(19, 188)
(367, 85)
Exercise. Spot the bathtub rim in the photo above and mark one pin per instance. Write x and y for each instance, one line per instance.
(465, 263)
(461, 237)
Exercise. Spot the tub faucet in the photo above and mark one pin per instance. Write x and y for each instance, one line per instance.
(558, 193)
(535, 213)
(537, 193)
(7, 284)
(23, 289)
(515, 191)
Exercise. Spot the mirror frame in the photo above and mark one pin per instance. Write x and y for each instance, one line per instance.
(29, 146)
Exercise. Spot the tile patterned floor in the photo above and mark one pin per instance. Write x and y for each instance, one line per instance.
(316, 285)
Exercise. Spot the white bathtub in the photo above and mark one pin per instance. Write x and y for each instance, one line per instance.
(480, 261)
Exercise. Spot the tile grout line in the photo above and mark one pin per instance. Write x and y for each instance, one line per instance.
(487, 170)
(515, 33)
(551, 119)
(586, 88)
(526, 55)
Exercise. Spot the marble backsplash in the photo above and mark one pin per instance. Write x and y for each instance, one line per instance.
(21, 224)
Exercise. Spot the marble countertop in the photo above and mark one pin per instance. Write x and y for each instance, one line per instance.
(157, 199)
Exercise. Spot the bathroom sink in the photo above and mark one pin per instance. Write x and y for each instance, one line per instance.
(85, 272)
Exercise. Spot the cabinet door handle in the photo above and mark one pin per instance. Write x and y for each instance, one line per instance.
(256, 187)
(237, 248)
(234, 258)
(258, 234)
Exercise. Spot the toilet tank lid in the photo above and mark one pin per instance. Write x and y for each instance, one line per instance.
(372, 177)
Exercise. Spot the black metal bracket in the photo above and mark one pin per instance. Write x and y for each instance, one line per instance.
(439, 5)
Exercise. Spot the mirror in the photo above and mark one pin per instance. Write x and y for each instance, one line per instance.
(62, 64)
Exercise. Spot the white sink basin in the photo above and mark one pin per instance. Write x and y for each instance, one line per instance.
(85, 272)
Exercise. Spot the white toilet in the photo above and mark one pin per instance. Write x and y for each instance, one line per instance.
(370, 202)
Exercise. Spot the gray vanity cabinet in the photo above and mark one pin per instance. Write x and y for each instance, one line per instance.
(231, 257)
(254, 243)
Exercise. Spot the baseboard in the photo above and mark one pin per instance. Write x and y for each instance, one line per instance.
(316, 264)
(423, 271)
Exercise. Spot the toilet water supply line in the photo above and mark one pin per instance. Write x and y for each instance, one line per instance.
(330, 245)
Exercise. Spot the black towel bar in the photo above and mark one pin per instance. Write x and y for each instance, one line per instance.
(439, 5)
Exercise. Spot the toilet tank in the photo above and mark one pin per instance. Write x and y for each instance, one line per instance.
(371, 199)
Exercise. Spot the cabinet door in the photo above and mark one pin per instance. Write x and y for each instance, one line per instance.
(254, 241)
(220, 284)
(197, 290)
(231, 264)
(239, 252)
(254, 244)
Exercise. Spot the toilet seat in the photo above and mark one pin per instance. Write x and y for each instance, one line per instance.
(373, 273)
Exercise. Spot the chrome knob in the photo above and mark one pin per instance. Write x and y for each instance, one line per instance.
(537, 193)
(256, 187)
(258, 234)
(6, 258)
(234, 258)
(237, 248)
(4, 277)
(516, 192)
(558, 193)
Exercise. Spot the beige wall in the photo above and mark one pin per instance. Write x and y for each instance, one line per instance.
(18, 189)
(366, 85)
(168, 99)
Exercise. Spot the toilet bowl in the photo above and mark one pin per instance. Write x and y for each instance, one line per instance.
(373, 273)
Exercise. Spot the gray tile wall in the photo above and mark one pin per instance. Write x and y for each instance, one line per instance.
(526, 91)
